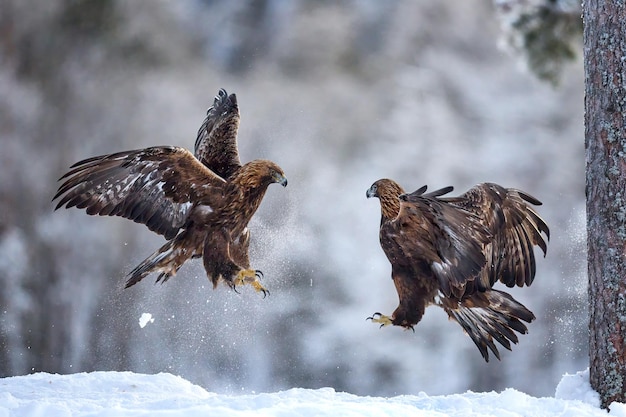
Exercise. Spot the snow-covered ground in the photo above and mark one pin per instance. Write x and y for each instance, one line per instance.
(131, 394)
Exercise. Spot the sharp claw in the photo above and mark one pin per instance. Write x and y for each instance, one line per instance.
(373, 316)
(262, 289)
(258, 274)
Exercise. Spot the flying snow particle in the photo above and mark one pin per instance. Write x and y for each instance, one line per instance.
(145, 319)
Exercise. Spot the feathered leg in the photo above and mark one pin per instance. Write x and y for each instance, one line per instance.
(219, 264)
(414, 297)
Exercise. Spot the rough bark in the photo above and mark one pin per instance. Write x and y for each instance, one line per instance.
(605, 144)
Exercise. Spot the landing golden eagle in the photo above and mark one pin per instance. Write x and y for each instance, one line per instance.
(201, 203)
(450, 251)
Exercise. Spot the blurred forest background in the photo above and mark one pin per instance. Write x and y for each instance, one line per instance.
(340, 94)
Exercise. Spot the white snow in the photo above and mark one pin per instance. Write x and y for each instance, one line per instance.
(145, 319)
(118, 394)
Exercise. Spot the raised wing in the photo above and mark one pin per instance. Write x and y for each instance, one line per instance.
(216, 143)
(445, 237)
(516, 228)
(155, 186)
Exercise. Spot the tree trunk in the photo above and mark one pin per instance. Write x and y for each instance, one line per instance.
(605, 144)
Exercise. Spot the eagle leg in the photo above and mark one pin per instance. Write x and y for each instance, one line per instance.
(250, 276)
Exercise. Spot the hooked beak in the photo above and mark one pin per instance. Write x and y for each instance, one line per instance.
(280, 179)
(371, 192)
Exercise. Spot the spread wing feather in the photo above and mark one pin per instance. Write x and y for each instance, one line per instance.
(216, 143)
(516, 228)
(155, 186)
(436, 193)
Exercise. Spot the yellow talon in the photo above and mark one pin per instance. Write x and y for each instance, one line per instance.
(245, 275)
(250, 276)
(380, 318)
(258, 287)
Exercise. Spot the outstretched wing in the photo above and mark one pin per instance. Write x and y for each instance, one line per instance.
(155, 186)
(445, 237)
(516, 228)
(216, 143)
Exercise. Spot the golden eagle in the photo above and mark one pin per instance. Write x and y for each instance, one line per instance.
(450, 251)
(201, 203)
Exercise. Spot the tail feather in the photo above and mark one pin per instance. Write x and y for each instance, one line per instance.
(490, 316)
(167, 260)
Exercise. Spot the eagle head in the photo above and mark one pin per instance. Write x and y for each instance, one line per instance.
(260, 173)
(372, 191)
(384, 187)
(278, 176)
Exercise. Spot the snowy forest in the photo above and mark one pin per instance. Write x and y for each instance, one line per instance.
(339, 94)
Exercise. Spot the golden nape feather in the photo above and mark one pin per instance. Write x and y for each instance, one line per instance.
(451, 251)
(201, 203)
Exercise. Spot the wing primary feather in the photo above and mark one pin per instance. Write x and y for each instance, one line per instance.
(527, 197)
(440, 192)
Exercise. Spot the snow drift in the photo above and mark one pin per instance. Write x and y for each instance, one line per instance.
(129, 394)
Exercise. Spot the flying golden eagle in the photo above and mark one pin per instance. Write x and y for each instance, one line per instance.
(450, 251)
(201, 203)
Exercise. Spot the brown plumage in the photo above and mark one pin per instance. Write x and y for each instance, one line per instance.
(450, 251)
(200, 203)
